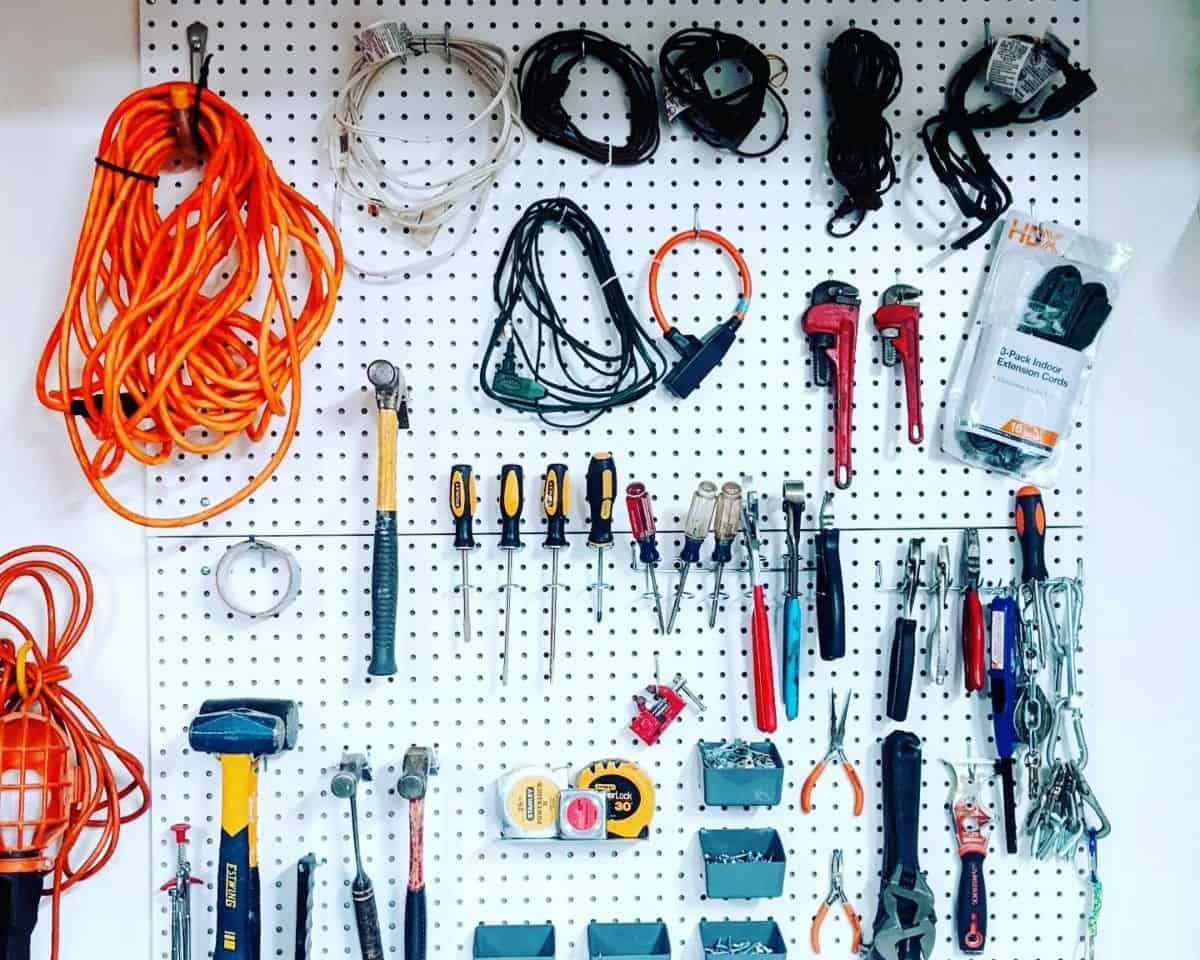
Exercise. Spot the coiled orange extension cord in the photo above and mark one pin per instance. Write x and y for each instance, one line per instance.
(32, 674)
(154, 345)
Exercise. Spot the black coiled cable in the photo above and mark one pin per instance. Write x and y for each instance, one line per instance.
(862, 78)
(544, 75)
(566, 374)
(720, 121)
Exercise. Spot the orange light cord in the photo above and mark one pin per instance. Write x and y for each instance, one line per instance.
(682, 237)
(155, 314)
(98, 794)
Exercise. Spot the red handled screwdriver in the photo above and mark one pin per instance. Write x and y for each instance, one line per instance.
(641, 522)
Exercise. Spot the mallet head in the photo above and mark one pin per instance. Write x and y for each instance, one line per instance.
(420, 763)
(251, 726)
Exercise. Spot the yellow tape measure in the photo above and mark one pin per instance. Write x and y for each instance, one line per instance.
(629, 792)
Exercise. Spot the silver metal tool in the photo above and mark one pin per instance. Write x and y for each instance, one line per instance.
(937, 646)
(179, 889)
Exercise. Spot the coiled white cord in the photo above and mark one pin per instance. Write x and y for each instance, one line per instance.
(419, 204)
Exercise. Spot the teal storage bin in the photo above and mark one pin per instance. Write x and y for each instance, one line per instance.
(514, 941)
(742, 787)
(628, 941)
(743, 880)
(743, 931)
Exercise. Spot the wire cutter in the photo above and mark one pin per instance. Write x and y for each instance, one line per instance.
(836, 893)
(837, 736)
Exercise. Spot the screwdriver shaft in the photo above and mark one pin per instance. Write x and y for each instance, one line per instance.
(553, 609)
(683, 575)
(466, 594)
(599, 584)
(508, 585)
(716, 597)
(657, 597)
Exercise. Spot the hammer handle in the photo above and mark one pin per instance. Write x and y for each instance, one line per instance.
(237, 931)
(366, 917)
(384, 579)
(414, 903)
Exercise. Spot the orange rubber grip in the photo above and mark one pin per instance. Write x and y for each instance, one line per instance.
(810, 782)
(855, 928)
(856, 786)
(814, 932)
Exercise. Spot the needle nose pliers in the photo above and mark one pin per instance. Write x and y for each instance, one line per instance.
(836, 893)
(837, 736)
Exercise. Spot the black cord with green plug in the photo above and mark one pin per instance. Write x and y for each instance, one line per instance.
(560, 373)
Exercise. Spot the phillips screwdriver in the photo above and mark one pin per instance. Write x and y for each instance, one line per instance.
(512, 502)
(695, 531)
(556, 495)
(462, 508)
(601, 489)
(641, 522)
(726, 522)
(793, 509)
(972, 613)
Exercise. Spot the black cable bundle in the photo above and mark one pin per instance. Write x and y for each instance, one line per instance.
(720, 121)
(862, 78)
(544, 75)
(977, 188)
(621, 377)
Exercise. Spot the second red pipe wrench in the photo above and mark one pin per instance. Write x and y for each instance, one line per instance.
(897, 321)
(831, 325)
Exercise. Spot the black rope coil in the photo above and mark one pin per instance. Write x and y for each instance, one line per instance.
(578, 378)
(544, 75)
(723, 121)
(862, 78)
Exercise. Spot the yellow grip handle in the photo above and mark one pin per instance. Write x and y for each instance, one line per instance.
(385, 468)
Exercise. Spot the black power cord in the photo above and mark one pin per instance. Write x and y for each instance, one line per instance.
(723, 121)
(544, 75)
(862, 78)
(967, 173)
(586, 381)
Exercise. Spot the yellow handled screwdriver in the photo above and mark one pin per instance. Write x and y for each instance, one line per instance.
(601, 489)
(512, 501)
(462, 508)
(556, 494)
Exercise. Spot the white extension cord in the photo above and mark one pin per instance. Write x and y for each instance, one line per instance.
(419, 205)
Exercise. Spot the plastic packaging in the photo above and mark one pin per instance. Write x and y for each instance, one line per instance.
(1019, 382)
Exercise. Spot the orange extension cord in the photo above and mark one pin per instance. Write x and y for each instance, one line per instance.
(155, 320)
(38, 668)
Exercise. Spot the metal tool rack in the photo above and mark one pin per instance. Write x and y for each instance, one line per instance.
(758, 414)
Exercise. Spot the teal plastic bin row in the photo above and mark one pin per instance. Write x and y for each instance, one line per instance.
(622, 941)
(743, 880)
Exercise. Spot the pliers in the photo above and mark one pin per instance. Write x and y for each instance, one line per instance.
(837, 736)
(836, 893)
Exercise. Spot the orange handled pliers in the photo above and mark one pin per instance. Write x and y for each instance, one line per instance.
(837, 736)
(836, 893)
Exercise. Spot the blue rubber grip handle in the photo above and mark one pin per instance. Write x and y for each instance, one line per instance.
(414, 925)
(1003, 660)
(236, 933)
(384, 566)
(791, 657)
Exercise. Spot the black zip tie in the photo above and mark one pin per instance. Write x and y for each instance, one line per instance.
(194, 117)
(117, 168)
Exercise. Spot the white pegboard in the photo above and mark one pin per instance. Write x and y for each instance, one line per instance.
(758, 414)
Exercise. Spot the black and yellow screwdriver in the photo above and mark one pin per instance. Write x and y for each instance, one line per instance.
(601, 490)
(512, 502)
(556, 495)
(462, 508)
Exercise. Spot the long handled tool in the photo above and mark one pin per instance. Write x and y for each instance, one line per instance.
(512, 502)
(760, 626)
(351, 771)
(601, 490)
(904, 640)
(391, 401)
(556, 496)
(462, 509)
(420, 763)
(971, 828)
(241, 733)
(641, 523)
(831, 600)
(695, 531)
(793, 629)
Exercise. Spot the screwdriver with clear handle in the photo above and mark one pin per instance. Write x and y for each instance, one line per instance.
(601, 491)
(726, 523)
(512, 501)
(556, 495)
(695, 532)
(462, 508)
(641, 522)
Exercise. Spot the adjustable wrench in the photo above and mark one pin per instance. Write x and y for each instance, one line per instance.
(831, 325)
(897, 321)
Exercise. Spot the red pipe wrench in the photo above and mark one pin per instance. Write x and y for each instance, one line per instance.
(831, 325)
(897, 321)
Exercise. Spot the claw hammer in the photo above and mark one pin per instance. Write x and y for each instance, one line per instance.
(420, 763)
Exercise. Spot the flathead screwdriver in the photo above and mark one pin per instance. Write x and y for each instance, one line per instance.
(726, 523)
(695, 532)
(462, 508)
(512, 502)
(556, 494)
(641, 522)
(601, 489)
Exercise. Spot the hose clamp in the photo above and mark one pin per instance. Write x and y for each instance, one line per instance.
(266, 552)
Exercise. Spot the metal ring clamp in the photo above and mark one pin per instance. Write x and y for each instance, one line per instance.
(235, 553)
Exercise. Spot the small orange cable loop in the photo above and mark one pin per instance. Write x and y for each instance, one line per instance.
(95, 804)
(695, 233)
(154, 346)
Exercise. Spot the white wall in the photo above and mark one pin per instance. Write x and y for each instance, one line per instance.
(65, 63)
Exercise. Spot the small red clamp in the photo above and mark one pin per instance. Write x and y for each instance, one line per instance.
(897, 321)
(831, 325)
(653, 719)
